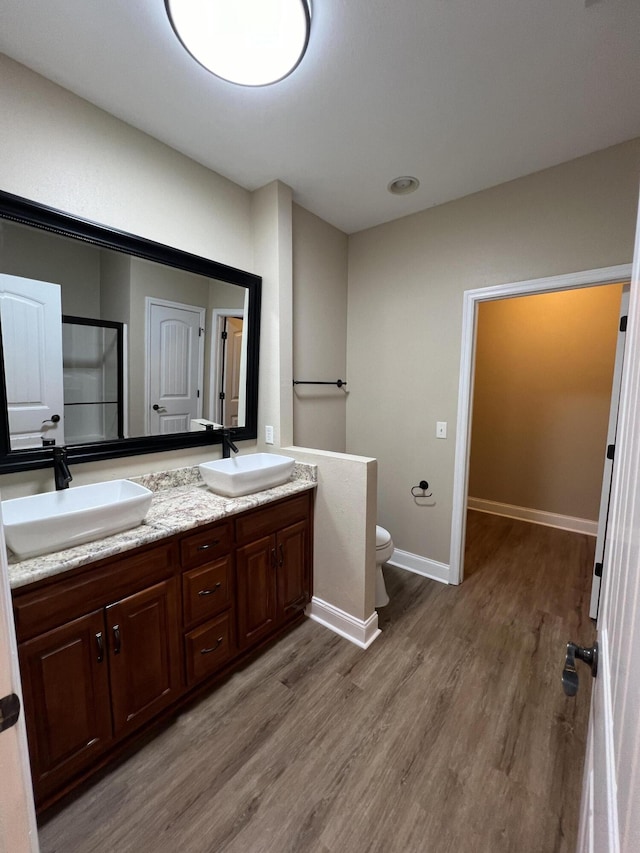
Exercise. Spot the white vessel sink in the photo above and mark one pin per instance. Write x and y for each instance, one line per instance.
(40, 524)
(242, 475)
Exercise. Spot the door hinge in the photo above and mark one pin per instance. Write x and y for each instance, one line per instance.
(623, 323)
(9, 711)
(221, 395)
(611, 451)
(198, 393)
(597, 570)
(224, 336)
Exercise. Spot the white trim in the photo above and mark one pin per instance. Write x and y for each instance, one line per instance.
(535, 516)
(357, 631)
(607, 732)
(587, 278)
(420, 565)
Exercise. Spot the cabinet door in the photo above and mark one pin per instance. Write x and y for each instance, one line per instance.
(66, 696)
(144, 654)
(293, 569)
(256, 587)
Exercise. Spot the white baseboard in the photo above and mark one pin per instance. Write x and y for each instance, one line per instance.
(420, 565)
(535, 516)
(357, 631)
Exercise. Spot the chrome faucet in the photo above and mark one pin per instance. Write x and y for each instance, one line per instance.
(61, 472)
(227, 444)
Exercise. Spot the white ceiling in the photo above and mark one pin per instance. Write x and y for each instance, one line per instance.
(463, 94)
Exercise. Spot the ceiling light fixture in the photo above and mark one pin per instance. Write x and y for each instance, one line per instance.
(249, 42)
(402, 186)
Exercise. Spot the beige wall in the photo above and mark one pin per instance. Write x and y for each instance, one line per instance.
(75, 266)
(61, 151)
(319, 331)
(542, 391)
(406, 283)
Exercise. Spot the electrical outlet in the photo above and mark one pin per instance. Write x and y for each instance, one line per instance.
(268, 435)
(441, 429)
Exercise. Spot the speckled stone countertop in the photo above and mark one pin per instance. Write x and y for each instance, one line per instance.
(181, 501)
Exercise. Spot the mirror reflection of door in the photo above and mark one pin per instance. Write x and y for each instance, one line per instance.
(31, 313)
(175, 365)
(232, 347)
(228, 366)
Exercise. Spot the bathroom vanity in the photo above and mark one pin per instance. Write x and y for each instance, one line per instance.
(116, 635)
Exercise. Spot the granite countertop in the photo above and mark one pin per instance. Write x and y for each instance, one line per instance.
(181, 501)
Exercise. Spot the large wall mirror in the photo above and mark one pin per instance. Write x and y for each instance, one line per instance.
(113, 345)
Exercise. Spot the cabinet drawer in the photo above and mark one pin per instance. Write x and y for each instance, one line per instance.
(200, 548)
(268, 519)
(206, 591)
(208, 647)
(69, 597)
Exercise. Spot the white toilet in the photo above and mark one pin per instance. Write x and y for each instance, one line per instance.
(384, 550)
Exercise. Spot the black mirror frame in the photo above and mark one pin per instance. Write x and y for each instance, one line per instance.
(21, 210)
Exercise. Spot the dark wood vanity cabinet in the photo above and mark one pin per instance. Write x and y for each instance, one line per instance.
(144, 656)
(65, 682)
(96, 663)
(208, 601)
(273, 568)
(108, 648)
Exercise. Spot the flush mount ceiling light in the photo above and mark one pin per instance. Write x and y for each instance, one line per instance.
(402, 186)
(249, 42)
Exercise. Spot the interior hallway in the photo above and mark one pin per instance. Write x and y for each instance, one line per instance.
(451, 733)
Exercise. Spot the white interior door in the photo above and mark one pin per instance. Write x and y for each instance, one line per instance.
(175, 365)
(18, 833)
(607, 476)
(610, 817)
(31, 314)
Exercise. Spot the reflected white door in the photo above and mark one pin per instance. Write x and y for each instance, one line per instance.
(175, 363)
(610, 818)
(31, 314)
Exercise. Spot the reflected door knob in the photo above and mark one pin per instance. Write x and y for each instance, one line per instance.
(54, 419)
(570, 680)
(157, 408)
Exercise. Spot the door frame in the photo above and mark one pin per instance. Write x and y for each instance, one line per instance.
(218, 316)
(471, 300)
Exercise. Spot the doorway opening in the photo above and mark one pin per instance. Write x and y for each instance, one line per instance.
(227, 367)
(472, 302)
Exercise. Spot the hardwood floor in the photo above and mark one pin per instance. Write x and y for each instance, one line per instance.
(451, 733)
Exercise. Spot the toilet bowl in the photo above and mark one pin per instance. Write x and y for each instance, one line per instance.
(384, 550)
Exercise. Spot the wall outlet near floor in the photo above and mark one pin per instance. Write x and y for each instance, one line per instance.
(441, 429)
(268, 435)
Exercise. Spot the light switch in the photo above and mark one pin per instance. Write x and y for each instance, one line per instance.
(441, 429)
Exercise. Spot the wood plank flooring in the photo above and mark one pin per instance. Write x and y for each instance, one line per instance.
(451, 733)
